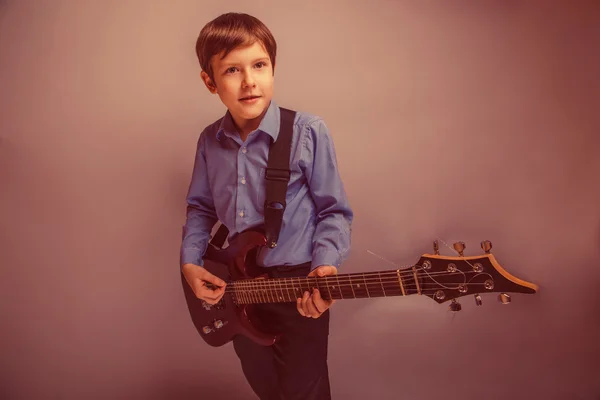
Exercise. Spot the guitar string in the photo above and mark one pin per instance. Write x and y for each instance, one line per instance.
(403, 273)
(261, 298)
(267, 293)
(370, 277)
(250, 285)
(396, 287)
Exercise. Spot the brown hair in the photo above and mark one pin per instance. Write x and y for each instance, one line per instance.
(228, 31)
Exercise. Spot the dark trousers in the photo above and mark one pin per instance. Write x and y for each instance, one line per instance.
(294, 367)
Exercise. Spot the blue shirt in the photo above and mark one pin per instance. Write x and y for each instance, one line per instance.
(228, 184)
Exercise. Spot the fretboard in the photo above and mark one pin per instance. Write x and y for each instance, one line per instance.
(337, 287)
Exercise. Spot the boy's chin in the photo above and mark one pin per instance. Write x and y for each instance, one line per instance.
(247, 112)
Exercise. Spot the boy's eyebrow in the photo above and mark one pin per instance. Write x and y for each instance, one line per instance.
(255, 61)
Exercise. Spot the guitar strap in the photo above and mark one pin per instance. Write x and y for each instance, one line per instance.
(277, 175)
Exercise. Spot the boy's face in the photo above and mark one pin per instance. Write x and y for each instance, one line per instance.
(244, 82)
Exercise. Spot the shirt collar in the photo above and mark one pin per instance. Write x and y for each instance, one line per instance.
(269, 124)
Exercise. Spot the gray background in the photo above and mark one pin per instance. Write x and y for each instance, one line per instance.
(453, 120)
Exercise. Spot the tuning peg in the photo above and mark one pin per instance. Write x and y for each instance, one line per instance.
(436, 247)
(459, 247)
(455, 306)
(478, 300)
(486, 245)
(504, 298)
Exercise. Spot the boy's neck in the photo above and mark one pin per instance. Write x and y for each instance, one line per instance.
(245, 127)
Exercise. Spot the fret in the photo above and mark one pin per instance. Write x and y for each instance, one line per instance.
(242, 292)
(294, 289)
(335, 288)
(366, 285)
(416, 280)
(255, 294)
(357, 284)
(317, 281)
(389, 284)
(300, 289)
(400, 282)
(267, 293)
(283, 283)
(328, 290)
(373, 284)
(250, 292)
(247, 293)
(351, 286)
(280, 297)
(262, 293)
(271, 292)
(381, 283)
(288, 283)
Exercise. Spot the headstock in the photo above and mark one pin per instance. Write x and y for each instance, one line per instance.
(447, 278)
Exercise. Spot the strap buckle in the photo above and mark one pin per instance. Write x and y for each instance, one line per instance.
(277, 174)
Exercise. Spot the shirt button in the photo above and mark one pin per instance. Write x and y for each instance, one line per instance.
(243, 181)
(244, 150)
(241, 213)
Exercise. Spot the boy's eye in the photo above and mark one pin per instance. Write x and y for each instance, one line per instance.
(231, 70)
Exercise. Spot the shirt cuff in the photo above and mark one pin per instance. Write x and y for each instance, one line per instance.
(326, 258)
(191, 256)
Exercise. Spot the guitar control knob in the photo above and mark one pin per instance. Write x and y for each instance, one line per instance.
(486, 245)
(459, 247)
(218, 324)
(455, 306)
(504, 298)
(478, 300)
(206, 330)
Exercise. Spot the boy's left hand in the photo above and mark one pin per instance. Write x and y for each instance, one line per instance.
(313, 305)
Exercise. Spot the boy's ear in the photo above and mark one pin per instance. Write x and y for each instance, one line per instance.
(208, 82)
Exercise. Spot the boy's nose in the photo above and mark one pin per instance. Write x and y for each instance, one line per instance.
(248, 81)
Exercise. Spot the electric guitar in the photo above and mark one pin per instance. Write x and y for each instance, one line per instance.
(442, 278)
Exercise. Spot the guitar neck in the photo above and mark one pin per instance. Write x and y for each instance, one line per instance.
(336, 287)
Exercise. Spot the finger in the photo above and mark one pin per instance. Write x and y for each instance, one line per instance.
(208, 294)
(318, 302)
(210, 286)
(313, 312)
(305, 299)
(208, 277)
(299, 306)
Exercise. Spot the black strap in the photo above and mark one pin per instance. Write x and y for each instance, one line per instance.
(277, 175)
(220, 236)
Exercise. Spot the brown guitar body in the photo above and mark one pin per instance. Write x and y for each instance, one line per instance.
(218, 324)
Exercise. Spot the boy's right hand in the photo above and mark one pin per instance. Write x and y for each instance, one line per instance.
(197, 277)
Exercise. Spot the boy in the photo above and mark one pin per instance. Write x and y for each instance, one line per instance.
(237, 55)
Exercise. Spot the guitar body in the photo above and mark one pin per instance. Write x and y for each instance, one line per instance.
(218, 324)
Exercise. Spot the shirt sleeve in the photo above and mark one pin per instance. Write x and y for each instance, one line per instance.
(200, 212)
(332, 237)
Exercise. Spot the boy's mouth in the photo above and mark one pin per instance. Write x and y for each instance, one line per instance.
(249, 97)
